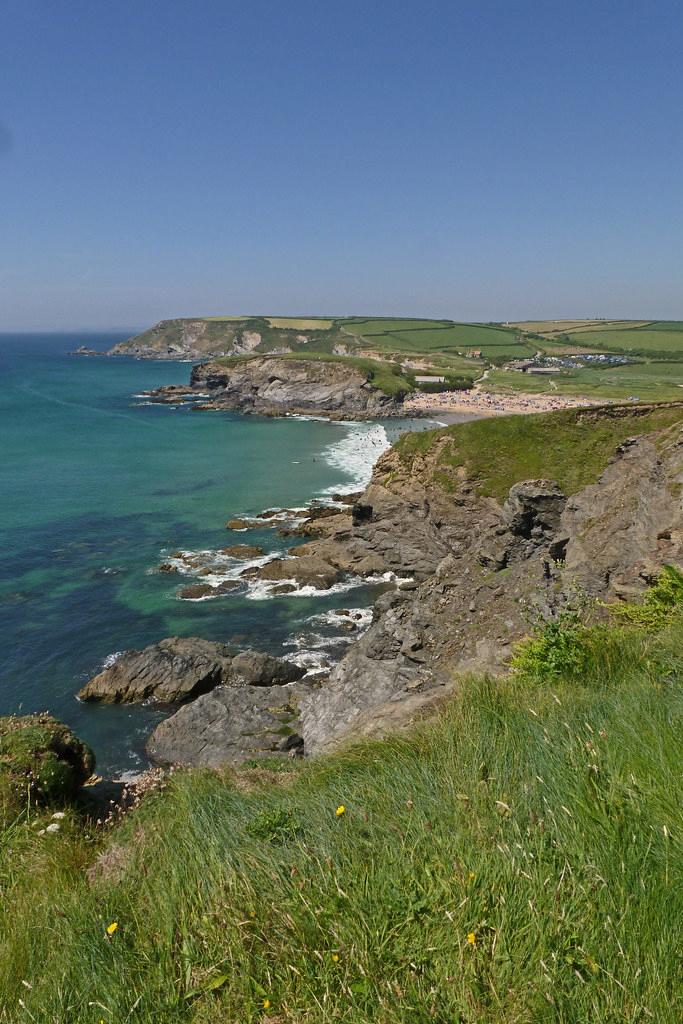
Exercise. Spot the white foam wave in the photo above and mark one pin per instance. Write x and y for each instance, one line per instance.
(111, 659)
(356, 455)
(263, 590)
(361, 618)
(313, 661)
(222, 568)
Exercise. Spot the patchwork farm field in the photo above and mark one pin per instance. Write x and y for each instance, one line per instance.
(397, 349)
(416, 337)
(639, 340)
(648, 382)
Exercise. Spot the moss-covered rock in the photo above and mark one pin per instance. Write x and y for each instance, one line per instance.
(42, 759)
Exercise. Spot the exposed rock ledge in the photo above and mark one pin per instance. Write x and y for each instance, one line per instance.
(271, 386)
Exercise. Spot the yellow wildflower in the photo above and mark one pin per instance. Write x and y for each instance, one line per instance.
(266, 1004)
(471, 876)
(471, 938)
(335, 958)
(340, 810)
(111, 928)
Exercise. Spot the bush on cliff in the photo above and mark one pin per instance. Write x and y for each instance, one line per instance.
(568, 648)
(518, 859)
(41, 760)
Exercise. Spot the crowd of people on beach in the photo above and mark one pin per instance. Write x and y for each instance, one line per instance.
(488, 403)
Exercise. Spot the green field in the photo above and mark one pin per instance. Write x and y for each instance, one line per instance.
(371, 326)
(649, 382)
(517, 860)
(639, 340)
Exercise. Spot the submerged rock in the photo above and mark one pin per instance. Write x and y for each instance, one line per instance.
(243, 551)
(240, 524)
(196, 591)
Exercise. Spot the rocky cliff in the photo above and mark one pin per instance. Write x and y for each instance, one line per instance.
(273, 386)
(483, 569)
(206, 338)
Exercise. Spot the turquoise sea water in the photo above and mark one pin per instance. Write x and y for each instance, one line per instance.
(96, 486)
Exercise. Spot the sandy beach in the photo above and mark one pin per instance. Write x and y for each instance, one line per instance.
(476, 403)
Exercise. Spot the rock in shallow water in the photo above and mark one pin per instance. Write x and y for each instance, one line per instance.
(177, 668)
(181, 669)
(197, 591)
(306, 571)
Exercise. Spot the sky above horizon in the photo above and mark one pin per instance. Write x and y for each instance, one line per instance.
(474, 160)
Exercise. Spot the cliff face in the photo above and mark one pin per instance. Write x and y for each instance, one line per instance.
(203, 338)
(484, 570)
(273, 386)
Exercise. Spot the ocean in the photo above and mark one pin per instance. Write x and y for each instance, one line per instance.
(98, 488)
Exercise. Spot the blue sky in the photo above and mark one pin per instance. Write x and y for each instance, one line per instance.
(478, 160)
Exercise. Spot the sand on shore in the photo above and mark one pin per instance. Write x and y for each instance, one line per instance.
(447, 405)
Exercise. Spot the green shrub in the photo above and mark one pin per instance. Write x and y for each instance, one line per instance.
(557, 650)
(661, 603)
(41, 760)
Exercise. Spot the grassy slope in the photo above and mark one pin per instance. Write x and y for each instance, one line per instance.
(518, 860)
(571, 447)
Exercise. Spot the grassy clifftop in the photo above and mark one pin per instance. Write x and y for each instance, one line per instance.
(517, 860)
(571, 447)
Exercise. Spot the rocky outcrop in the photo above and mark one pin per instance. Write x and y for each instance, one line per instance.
(483, 571)
(228, 726)
(195, 338)
(42, 759)
(181, 669)
(271, 386)
(617, 533)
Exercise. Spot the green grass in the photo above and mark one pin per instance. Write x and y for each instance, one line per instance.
(650, 382)
(372, 326)
(517, 860)
(665, 325)
(436, 337)
(571, 447)
(639, 340)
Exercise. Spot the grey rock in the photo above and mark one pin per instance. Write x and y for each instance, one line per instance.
(175, 669)
(227, 726)
(306, 570)
(181, 669)
(252, 668)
